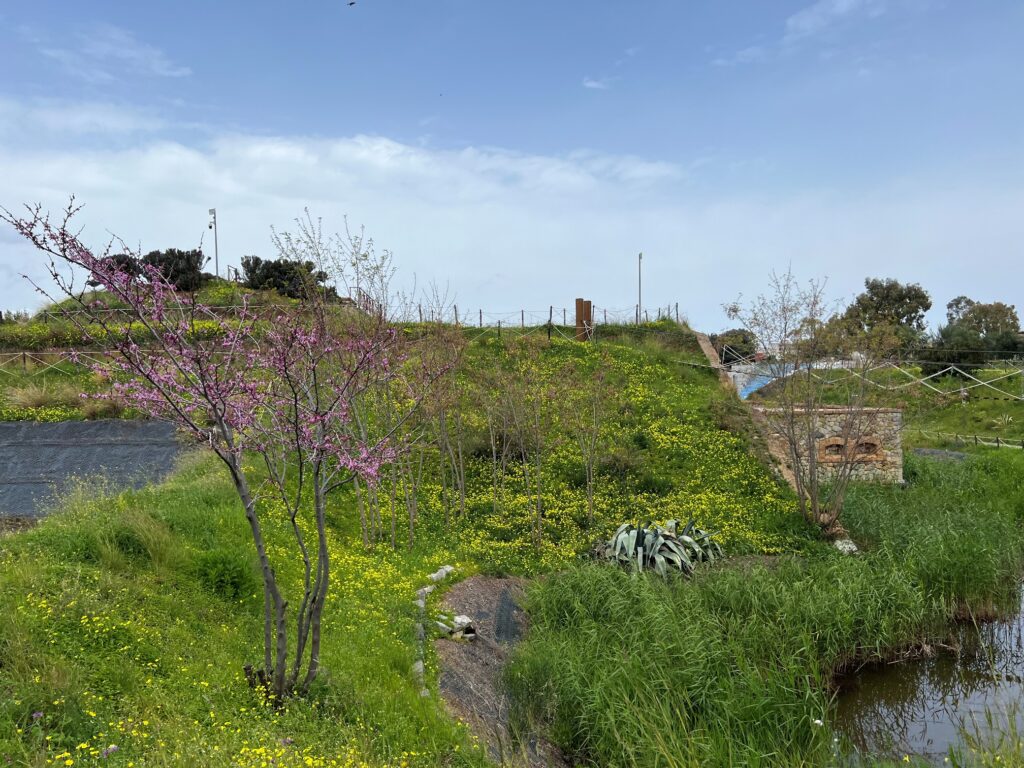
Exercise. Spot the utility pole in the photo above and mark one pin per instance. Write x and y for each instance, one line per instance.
(216, 253)
(639, 287)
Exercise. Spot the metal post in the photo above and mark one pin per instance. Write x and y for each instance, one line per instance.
(481, 318)
(216, 250)
(639, 286)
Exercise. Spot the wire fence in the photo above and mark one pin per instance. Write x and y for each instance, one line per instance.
(556, 315)
(961, 438)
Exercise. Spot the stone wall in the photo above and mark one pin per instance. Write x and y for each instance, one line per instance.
(874, 441)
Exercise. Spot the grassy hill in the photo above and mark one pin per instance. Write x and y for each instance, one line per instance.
(125, 620)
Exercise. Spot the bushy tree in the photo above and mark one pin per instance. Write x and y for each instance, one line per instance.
(182, 269)
(734, 345)
(991, 320)
(974, 334)
(126, 262)
(289, 277)
(890, 304)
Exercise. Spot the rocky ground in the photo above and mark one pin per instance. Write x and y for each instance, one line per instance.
(470, 680)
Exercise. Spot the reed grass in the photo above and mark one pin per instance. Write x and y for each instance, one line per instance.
(735, 667)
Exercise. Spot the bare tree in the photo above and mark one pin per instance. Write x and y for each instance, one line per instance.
(807, 349)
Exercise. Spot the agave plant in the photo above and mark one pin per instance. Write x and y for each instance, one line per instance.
(661, 548)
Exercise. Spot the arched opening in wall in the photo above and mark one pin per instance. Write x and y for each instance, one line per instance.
(866, 448)
(831, 450)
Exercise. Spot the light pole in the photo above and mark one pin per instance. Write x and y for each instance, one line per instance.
(639, 287)
(216, 254)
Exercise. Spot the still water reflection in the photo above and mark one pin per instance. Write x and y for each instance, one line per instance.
(922, 707)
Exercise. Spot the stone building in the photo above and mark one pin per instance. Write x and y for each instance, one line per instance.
(870, 436)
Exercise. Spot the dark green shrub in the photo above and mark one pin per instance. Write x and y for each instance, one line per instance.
(228, 573)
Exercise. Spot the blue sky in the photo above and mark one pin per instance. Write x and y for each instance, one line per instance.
(524, 152)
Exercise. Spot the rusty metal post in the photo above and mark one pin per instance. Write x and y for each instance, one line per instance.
(581, 333)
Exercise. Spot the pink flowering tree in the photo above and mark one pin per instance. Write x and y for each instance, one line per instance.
(272, 396)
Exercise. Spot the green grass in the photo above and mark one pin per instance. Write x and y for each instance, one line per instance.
(127, 619)
(734, 668)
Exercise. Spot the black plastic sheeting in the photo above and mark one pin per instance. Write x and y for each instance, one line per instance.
(38, 461)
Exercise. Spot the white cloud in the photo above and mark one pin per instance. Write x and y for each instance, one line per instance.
(748, 55)
(103, 52)
(810, 21)
(55, 117)
(511, 230)
(597, 84)
(821, 15)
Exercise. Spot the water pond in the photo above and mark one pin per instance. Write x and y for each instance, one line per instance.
(924, 707)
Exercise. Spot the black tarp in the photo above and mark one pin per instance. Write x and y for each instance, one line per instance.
(39, 460)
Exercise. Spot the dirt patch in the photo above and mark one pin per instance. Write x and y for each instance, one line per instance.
(15, 524)
(471, 672)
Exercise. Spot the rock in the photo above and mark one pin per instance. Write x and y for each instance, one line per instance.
(424, 692)
(417, 668)
(461, 623)
(422, 592)
(421, 633)
(444, 627)
(441, 573)
(420, 603)
(846, 546)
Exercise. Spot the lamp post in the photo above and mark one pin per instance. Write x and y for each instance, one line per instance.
(216, 254)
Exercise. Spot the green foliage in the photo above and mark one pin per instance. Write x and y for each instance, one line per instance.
(229, 573)
(734, 666)
(661, 548)
(183, 269)
(294, 279)
(887, 303)
(56, 333)
(116, 634)
(734, 344)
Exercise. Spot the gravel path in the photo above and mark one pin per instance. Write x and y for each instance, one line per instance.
(470, 680)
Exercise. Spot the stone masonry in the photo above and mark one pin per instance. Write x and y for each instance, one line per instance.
(877, 450)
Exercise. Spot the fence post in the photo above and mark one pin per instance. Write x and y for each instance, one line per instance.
(551, 317)
(456, 308)
(580, 320)
(499, 329)
(677, 311)
(420, 306)
(481, 318)
(975, 441)
(997, 443)
(522, 318)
